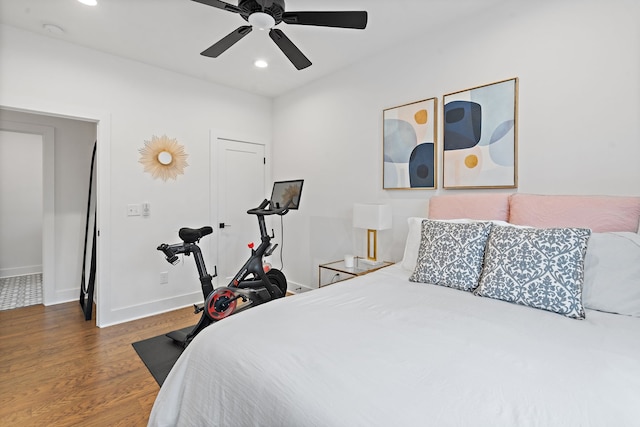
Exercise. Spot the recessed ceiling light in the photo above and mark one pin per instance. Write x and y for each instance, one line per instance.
(261, 63)
(89, 2)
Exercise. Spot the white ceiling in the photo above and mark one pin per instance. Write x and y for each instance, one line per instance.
(170, 34)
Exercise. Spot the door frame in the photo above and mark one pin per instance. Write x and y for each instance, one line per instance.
(102, 119)
(215, 135)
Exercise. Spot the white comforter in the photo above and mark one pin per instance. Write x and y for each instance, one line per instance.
(381, 351)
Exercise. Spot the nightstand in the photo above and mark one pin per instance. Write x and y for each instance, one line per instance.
(336, 271)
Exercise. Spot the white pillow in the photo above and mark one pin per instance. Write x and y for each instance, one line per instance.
(414, 237)
(412, 244)
(612, 273)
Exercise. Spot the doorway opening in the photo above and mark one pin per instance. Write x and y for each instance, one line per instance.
(21, 219)
(63, 175)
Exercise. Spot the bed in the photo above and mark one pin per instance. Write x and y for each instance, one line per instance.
(388, 349)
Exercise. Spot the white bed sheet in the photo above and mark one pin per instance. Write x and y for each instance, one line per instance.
(380, 350)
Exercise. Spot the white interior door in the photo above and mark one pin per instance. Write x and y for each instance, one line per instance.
(241, 186)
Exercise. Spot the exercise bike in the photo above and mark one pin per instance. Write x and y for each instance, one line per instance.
(254, 284)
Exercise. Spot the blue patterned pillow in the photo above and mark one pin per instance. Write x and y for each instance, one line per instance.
(451, 254)
(541, 268)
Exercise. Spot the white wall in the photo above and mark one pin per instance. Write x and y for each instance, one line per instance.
(133, 102)
(20, 203)
(579, 102)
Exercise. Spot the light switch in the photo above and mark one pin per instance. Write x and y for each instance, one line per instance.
(133, 210)
(146, 209)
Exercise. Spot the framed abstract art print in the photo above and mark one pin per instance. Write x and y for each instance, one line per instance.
(409, 146)
(480, 137)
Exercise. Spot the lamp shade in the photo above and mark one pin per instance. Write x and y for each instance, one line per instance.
(372, 216)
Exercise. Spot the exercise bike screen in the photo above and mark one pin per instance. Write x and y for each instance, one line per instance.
(283, 191)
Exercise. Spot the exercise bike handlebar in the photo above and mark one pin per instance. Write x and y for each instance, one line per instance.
(260, 210)
(169, 253)
(189, 236)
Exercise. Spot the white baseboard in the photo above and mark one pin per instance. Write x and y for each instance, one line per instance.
(139, 311)
(20, 271)
(66, 295)
(297, 288)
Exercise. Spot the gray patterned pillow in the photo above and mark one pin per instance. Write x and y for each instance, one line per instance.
(541, 268)
(451, 254)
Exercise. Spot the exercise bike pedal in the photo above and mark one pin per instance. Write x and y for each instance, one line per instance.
(179, 337)
(198, 308)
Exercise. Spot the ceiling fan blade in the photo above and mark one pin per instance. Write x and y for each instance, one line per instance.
(287, 47)
(346, 19)
(220, 5)
(229, 40)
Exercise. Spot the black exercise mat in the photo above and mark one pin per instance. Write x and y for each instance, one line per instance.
(159, 354)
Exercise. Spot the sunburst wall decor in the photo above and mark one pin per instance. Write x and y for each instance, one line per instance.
(163, 158)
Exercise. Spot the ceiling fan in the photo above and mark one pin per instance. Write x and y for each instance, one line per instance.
(265, 14)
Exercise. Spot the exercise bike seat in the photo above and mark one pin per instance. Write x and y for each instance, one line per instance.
(192, 235)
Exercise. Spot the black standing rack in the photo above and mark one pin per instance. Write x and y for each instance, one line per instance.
(87, 288)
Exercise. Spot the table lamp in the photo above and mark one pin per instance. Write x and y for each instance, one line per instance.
(373, 217)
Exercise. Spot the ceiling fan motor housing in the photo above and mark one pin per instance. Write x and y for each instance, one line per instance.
(275, 8)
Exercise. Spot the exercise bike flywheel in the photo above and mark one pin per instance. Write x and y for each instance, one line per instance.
(220, 303)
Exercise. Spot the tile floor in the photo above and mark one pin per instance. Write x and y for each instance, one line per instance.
(20, 291)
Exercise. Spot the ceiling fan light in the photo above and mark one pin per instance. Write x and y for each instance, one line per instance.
(262, 21)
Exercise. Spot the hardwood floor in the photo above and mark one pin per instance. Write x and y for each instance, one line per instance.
(56, 369)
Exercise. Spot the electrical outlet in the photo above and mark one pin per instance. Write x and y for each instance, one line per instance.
(164, 277)
(133, 210)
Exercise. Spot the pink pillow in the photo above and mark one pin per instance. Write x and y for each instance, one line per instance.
(471, 206)
(599, 213)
